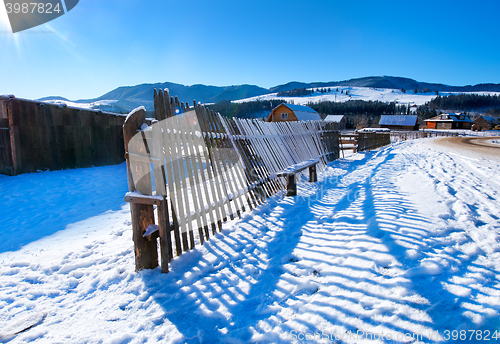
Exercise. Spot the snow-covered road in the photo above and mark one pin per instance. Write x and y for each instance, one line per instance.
(399, 244)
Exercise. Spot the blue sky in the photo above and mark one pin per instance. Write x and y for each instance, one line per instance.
(104, 44)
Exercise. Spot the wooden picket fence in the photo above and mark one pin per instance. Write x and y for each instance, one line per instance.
(200, 169)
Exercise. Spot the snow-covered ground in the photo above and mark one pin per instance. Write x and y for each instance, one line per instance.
(346, 93)
(396, 245)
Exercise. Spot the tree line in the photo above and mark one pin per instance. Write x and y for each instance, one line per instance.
(259, 108)
(463, 102)
(357, 107)
(297, 92)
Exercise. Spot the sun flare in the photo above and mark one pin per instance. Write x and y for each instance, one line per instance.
(4, 21)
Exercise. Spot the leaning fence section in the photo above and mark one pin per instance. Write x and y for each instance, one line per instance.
(199, 170)
(267, 148)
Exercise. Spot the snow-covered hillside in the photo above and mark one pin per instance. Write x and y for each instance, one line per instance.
(346, 93)
(101, 104)
(402, 243)
(343, 94)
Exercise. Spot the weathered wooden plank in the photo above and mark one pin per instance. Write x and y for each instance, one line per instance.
(206, 178)
(136, 197)
(226, 167)
(193, 198)
(146, 253)
(212, 170)
(166, 252)
(170, 163)
(214, 160)
(190, 126)
(236, 170)
(181, 197)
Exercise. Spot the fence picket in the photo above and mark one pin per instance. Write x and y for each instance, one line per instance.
(192, 169)
(214, 168)
(171, 166)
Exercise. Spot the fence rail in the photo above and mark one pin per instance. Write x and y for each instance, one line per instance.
(397, 136)
(200, 169)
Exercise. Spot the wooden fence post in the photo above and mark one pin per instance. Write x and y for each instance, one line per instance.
(146, 252)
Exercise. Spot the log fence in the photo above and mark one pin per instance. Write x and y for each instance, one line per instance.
(200, 170)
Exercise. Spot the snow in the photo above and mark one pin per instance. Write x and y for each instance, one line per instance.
(376, 130)
(402, 242)
(80, 105)
(140, 108)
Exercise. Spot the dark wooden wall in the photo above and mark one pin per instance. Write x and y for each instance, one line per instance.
(51, 137)
(367, 140)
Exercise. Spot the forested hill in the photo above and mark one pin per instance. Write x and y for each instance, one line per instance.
(390, 82)
(127, 98)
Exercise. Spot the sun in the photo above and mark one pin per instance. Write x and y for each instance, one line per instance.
(20, 43)
(4, 21)
(8, 40)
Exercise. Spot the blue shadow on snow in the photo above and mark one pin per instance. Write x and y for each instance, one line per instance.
(36, 205)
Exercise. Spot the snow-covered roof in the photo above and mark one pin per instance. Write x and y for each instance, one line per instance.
(299, 107)
(334, 118)
(303, 113)
(492, 120)
(450, 117)
(400, 120)
(374, 130)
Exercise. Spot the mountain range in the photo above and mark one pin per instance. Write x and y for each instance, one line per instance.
(126, 98)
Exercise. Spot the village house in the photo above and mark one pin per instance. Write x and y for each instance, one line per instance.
(449, 121)
(340, 119)
(292, 113)
(399, 122)
(485, 123)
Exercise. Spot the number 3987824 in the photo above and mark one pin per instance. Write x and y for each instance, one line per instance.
(32, 7)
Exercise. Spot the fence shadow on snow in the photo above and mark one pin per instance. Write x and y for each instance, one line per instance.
(273, 273)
